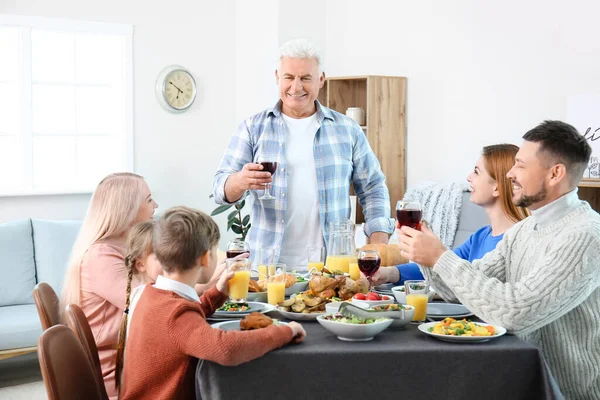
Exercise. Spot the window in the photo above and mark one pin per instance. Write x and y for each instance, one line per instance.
(66, 110)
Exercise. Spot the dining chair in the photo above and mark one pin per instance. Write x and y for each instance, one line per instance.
(67, 372)
(47, 304)
(77, 321)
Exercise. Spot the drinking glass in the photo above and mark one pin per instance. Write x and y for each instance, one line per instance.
(368, 263)
(265, 257)
(276, 284)
(354, 270)
(268, 166)
(417, 295)
(238, 285)
(409, 213)
(316, 258)
(236, 247)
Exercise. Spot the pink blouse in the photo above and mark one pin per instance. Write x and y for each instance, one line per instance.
(103, 288)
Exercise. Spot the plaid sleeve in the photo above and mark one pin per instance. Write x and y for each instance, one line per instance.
(238, 153)
(370, 188)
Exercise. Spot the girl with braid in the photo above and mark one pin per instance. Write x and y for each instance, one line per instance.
(140, 262)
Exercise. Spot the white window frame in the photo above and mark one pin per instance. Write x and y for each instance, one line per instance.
(27, 23)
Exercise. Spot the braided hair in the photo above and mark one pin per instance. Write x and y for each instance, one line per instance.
(139, 245)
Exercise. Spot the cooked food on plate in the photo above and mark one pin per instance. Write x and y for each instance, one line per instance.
(255, 320)
(322, 290)
(232, 307)
(452, 327)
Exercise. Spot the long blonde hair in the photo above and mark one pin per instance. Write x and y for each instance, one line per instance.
(111, 213)
(139, 245)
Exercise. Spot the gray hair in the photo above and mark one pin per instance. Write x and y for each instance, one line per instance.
(301, 48)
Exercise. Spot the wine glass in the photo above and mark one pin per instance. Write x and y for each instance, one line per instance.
(236, 247)
(271, 167)
(409, 213)
(368, 263)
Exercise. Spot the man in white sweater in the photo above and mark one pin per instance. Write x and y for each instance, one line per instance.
(542, 282)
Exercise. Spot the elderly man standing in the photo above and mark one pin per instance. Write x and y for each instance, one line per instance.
(542, 282)
(318, 151)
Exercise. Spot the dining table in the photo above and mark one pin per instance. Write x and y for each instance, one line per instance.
(396, 364)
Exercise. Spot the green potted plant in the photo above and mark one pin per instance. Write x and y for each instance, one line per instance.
(238, 223)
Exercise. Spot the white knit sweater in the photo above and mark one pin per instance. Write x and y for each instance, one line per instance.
(542, 282)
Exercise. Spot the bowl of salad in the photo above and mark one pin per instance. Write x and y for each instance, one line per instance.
(354, 329)
(401, 314)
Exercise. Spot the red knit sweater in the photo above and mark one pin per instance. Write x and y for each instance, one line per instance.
(167, 335)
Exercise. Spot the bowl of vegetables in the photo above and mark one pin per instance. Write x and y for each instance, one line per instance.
(354, 329)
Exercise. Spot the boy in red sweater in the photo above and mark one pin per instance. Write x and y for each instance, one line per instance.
(169, 331)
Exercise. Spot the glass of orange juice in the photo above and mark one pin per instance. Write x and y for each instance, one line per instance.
(417, 295)
(276, 284)
(354, 270)
(265, 256)
(316, 258)
(238, 285)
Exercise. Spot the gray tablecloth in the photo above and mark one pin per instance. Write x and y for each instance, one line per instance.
(396, 364)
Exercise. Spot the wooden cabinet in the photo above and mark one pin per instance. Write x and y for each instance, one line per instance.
(383, 98)
(589, 190)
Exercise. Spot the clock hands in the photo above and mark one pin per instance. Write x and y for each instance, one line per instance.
(180, 91)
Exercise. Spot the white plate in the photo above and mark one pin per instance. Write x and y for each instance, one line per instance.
(221, 317)
(462, 339)
(254, 307)
(235, 325)
(296, 287)
(444, 310)
(354, 332)
(294, 316)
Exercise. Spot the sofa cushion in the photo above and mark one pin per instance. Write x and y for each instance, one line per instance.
(472, 217)
(53, 242)
(17, 267)
(20, 326)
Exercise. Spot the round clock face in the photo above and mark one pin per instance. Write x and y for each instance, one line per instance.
(179, 89)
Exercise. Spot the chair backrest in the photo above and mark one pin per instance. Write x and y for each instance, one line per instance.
(67, 372)
(47, 304)
(77, 321)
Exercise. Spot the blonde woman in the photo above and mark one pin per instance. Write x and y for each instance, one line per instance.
(97, 276)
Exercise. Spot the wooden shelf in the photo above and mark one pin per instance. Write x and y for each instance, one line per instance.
(589, 190)
(591, 183)
(384, 100)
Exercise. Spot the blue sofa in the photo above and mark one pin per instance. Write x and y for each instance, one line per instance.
(31, 251)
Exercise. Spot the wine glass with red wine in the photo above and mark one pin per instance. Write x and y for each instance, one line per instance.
(271, 167)
(368, 263)
(236, 247)
(409, 213)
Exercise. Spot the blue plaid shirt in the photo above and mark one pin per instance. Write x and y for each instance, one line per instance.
(342, 155)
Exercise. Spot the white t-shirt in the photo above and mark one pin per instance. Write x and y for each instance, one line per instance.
(302, 220)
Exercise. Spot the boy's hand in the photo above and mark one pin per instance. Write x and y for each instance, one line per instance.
(298, 330)
(222, 283)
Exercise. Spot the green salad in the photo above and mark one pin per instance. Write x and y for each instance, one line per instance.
(233, 307)
(354, 320)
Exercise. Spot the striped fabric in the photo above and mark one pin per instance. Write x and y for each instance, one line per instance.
(342, 155)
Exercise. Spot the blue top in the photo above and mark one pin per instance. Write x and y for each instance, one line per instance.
(479, 244)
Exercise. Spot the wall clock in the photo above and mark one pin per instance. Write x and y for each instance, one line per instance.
(175, 89)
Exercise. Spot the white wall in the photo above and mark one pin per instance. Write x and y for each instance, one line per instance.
(177, 154)
(478, 72)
